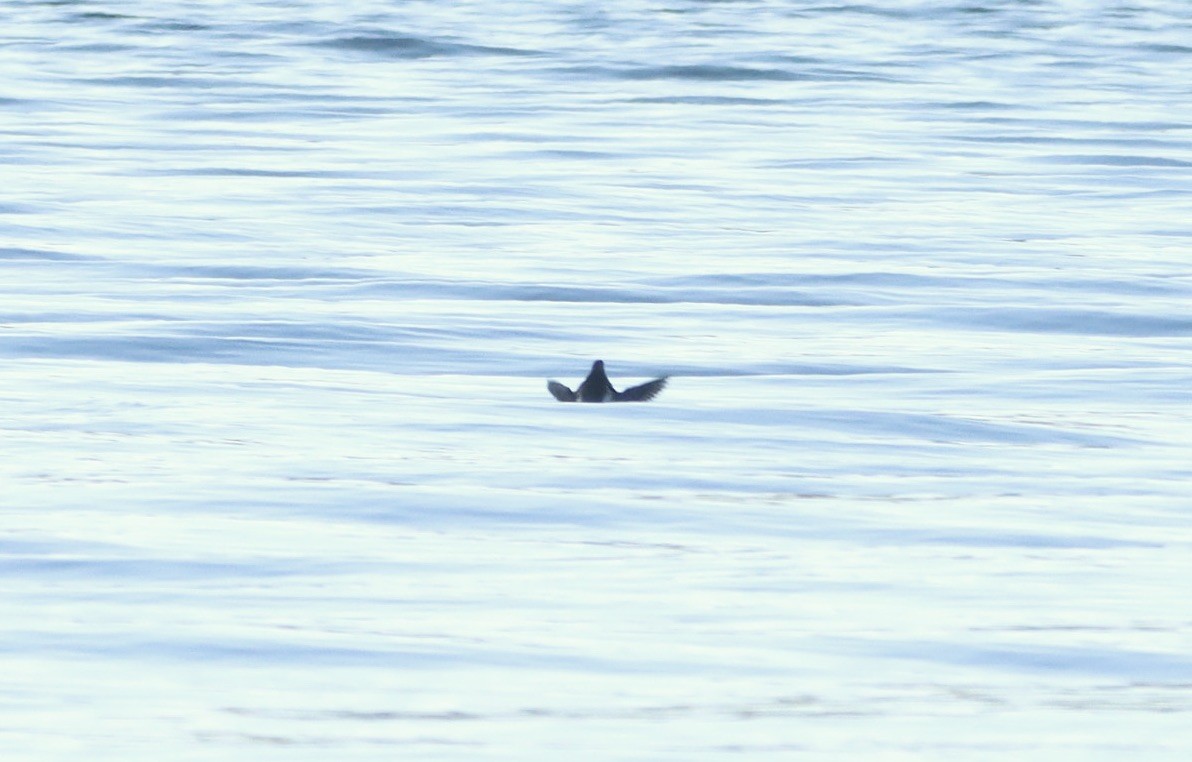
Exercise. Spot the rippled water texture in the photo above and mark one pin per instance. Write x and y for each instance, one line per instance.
(283, 284)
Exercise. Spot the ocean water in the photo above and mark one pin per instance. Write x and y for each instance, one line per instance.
(283, 284)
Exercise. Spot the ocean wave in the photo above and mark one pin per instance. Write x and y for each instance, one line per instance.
(711, 72)
(390, 45)
(1063, 320)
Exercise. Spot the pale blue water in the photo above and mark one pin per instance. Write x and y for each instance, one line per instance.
(283, 284)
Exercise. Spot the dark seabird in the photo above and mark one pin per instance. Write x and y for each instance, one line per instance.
(597, 388)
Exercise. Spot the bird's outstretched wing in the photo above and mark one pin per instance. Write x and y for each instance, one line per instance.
(562, 393)
(646, 391)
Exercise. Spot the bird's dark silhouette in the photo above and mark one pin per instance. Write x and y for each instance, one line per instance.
(597, 388)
